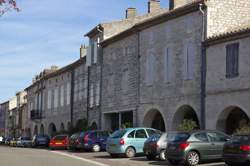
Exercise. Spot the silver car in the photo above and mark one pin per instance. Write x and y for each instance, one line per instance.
(24, 142)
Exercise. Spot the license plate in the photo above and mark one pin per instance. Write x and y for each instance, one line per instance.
(113, 145)
(58, 143)
(172, 148)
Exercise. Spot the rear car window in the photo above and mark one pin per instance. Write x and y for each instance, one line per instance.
(154, 137)
(244, 139)
(177, 137)
(60, 137)
(118, 134)
(217, 137)
(201, 137)
(131, 134)
(26, 138)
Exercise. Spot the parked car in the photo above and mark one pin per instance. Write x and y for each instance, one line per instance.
(76, 141)
(193, 147)
(2, 140)
(40, 141)
(95, 140)
(237, 151)
(13, 142)
(128, 141)
(59, 142)
(156, 146)
(7, 140)
(24, 142)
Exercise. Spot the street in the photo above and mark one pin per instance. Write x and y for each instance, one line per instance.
(42, 157)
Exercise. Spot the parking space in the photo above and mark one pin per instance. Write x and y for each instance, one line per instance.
(104, 158)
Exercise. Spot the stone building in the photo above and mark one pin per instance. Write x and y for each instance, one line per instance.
(98, 34)
(4, 108)
(227, 83)
(22, 116)
(156, 69)
(57, 98)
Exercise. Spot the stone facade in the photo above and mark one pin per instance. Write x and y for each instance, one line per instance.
(4, 108)
(119, 81)
(63, 99)
(227, 97)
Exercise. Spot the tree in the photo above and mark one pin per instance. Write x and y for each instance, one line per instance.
(7, 5)
(187, 125)
(244, 127)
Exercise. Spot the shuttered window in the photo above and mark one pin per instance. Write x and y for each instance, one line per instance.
(232, 60)
(168, 65)
(150, 69)
(188, 61)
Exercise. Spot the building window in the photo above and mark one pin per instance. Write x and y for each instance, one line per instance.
(150, 69)
(168, 65)
(232, 60)
(68, 93)
(56, 95)
(98, 93)
(62, 96)
(188, 61)
(76, 90)
(85, 87)
(91, 96)
(49, 99)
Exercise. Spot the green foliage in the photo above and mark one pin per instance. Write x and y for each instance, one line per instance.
(187, 125)
(244, 127)
(127, 125)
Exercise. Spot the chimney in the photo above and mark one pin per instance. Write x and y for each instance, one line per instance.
(153, 6)
(131, 13)
(83, 51)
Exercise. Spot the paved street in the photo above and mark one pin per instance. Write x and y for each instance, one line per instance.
(42, 157)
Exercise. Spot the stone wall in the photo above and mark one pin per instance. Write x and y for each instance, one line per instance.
(227, 15)
(168, 97)
(223, 92)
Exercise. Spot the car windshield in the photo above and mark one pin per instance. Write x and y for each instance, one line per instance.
(154, 137)
(177, 137)
(245, 139)
(118, 134)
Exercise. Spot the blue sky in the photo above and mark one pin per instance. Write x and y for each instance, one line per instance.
(50, 32)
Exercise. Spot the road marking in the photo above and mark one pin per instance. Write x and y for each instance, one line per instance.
(79, 158)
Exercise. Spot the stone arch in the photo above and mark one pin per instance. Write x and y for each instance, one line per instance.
(62, 128)
(35, 131)
(42, 129)
(93, 126)
(230, 118)
(184, 112)
(154, 119)
(81, 125)
(52, 129)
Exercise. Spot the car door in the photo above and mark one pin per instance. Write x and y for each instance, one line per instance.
(218, 140)
(203, 145)
(140, 138)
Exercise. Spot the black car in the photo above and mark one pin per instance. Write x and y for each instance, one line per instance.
(237, 151)
(40, 141)
(193, 147)
(156, 146)
(76, 141)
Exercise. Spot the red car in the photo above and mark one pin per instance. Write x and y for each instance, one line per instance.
(59, 142)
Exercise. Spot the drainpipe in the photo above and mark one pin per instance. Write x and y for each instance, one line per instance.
(203, 70)
(138, 81)
(72, 97)
(100, 102)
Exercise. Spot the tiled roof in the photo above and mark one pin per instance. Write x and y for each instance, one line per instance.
(233, 34)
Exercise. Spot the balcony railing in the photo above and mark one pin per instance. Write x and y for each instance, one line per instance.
(35, 114)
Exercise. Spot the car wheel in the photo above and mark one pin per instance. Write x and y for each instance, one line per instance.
(173, 162)
(96, 148)
(130, 152)
(193, 158)
(150, 156)
(162, 155)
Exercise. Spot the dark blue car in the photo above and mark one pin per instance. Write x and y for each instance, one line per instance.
(40, 141)
(95, 140)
